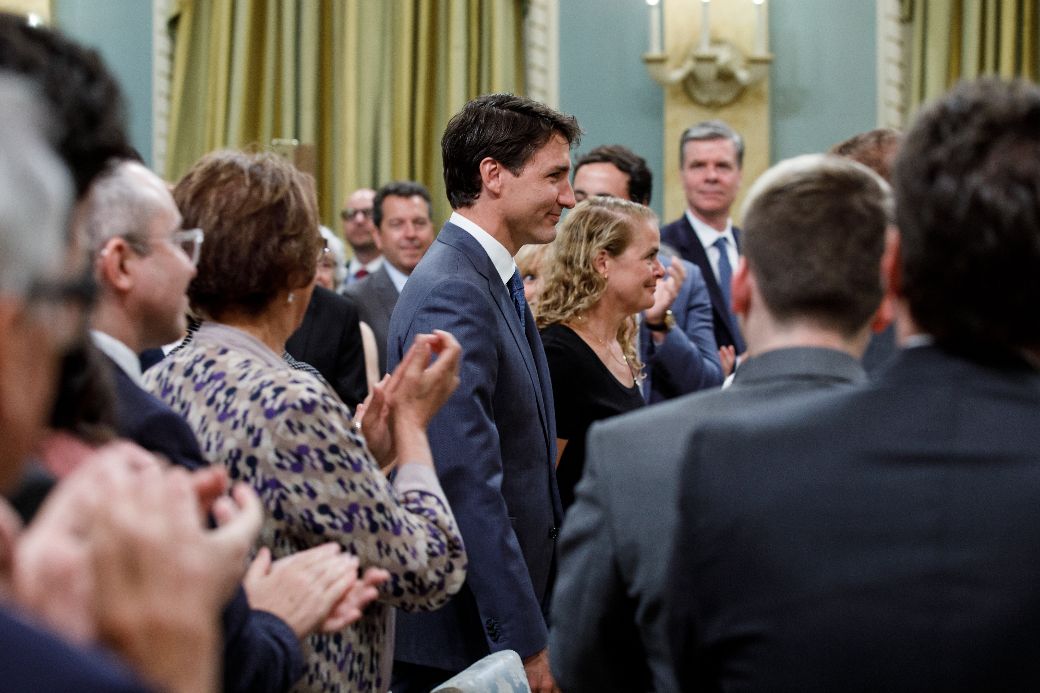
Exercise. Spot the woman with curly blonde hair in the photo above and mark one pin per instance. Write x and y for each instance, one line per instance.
(604, 270)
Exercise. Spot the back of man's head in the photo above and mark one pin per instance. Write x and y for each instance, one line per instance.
(814, 231)
(504, 127)
(640, 178)
(83, 96)
(967, 183)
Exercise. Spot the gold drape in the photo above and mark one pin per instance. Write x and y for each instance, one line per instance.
(370, 83)
(965, 39)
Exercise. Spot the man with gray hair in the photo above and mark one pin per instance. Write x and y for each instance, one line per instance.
(805, 331)
(711, 157)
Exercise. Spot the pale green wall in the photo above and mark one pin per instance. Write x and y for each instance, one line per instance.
(603, 81)
(121, 30)
(823, 75)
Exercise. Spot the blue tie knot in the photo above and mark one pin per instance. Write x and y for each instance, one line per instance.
(516, 291)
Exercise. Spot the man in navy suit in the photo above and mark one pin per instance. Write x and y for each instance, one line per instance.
(711, 156)
(887, 538)
(506, 165)
(676, 336)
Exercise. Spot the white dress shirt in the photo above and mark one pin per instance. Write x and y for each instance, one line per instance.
(500, 257)
(708, 236)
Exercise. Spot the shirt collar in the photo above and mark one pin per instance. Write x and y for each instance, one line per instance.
(396, 276)
(500, 257)
(370, 267)
(707, 235)
(123, 355)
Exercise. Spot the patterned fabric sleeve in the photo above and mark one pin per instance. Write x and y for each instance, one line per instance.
(293, 441)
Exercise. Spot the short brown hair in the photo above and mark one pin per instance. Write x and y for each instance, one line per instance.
(260, 216)
(813, 234)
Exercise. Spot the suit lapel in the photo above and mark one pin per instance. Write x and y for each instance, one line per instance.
(460, 240)
(698, 256)
(385, 291)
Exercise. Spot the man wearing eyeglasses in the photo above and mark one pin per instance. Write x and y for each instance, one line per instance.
(359, 231)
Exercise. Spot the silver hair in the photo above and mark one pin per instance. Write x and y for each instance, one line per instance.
(118, 205)
(36, 192)
(339, 252)
(712, 130)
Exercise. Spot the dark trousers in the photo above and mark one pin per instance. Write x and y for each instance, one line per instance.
(416, 678)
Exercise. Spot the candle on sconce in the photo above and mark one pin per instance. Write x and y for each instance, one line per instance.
(760, 27)
(705, 26)
(655, 26)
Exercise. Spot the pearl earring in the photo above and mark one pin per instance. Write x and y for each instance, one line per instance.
(292, 297)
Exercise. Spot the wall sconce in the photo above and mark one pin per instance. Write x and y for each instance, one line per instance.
(714, 73)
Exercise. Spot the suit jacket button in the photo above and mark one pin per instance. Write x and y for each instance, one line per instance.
(553, 533)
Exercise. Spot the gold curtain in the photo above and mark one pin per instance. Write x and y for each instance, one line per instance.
(371, 84)
(965, 39)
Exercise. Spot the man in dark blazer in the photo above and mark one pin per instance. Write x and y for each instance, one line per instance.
(329, 339)
(506, 164)
(676, 335)
(608, 619)
(711, 156)
(888, 538)
(404, 231)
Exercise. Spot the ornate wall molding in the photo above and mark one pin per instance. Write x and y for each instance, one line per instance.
(542, 51)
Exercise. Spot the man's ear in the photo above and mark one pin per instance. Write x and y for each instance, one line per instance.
(112, 265)
(491, 173)
(742, 287)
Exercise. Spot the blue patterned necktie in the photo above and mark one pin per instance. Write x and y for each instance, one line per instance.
(516, 290)
(725, 271)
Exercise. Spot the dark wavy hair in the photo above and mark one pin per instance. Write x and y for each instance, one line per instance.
(507, 128)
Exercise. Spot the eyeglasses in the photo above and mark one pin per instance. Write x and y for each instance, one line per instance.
(190, 241)
(351, 212)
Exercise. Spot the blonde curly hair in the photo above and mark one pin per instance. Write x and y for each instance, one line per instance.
(572, 284)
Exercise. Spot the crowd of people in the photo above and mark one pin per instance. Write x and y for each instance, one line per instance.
(242, 454)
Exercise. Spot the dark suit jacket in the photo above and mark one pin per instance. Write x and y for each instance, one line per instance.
(261, 652)
(882, 539)
(330, 340)
(681, 236)
(688, 358)
(608, 627)
(32, 659)
(494, 446)
(376, 296)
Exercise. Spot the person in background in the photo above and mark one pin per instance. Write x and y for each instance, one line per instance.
(332, 267)
(404, 232)
(359, 232)
(604, 271)
(711, 160)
